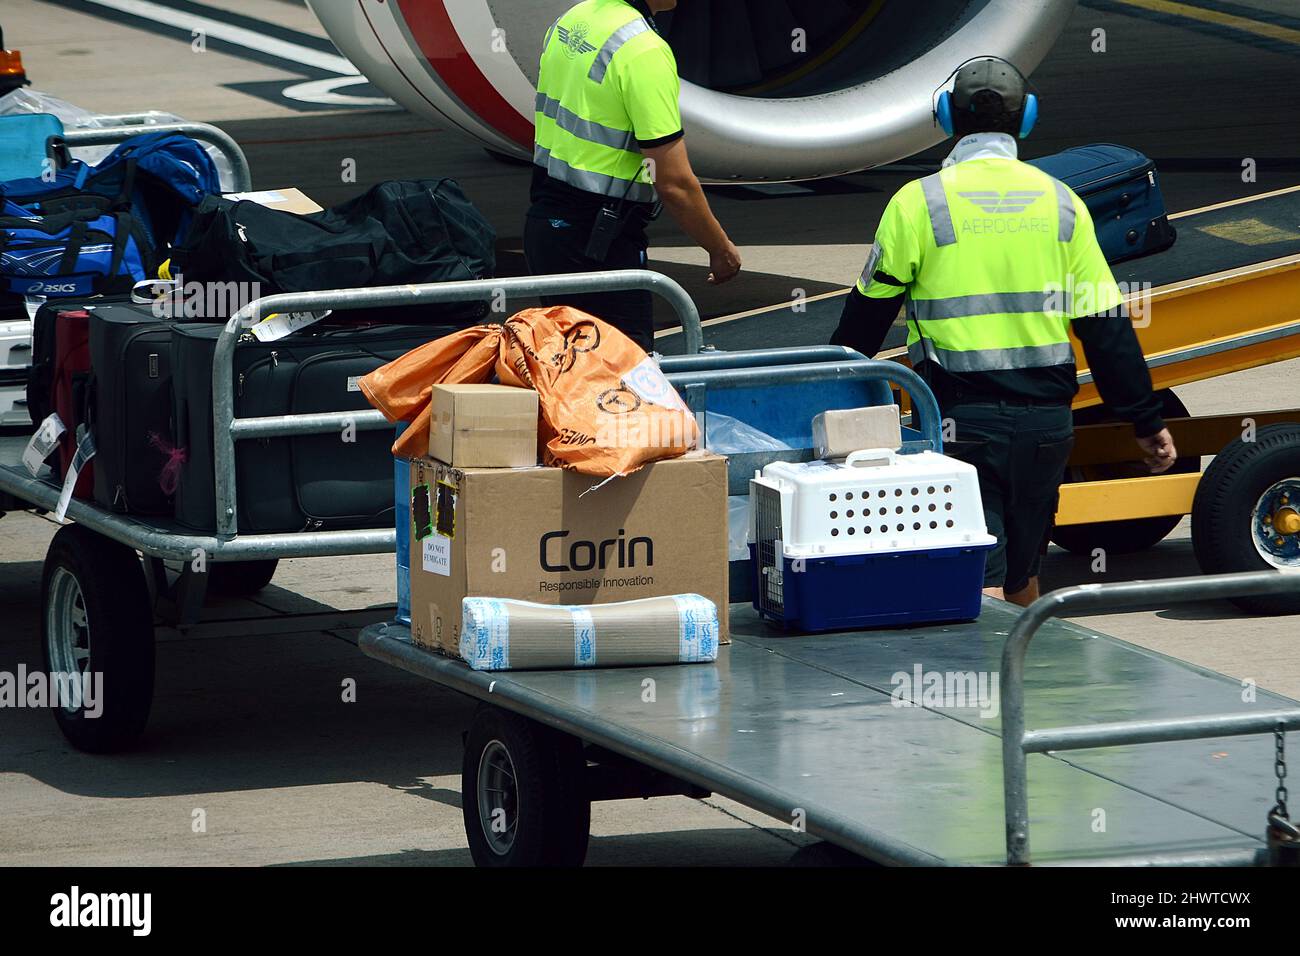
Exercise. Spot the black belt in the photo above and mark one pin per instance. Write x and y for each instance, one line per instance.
(1013, 401)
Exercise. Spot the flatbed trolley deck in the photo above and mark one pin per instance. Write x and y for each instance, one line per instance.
(812, 731)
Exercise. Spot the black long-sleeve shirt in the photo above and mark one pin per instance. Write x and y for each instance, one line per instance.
(1109, 342)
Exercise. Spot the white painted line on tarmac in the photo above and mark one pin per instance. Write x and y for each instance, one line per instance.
(283, 49)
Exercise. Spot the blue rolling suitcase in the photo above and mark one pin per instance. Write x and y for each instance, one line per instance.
(1120, 189)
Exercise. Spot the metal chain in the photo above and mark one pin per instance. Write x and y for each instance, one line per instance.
(1279, 767)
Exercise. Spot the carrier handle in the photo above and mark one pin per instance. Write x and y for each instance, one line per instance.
(872, 454)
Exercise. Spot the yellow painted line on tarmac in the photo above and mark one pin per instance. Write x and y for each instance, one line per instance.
(1270, 31)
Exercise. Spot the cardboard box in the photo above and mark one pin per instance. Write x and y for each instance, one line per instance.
(840, 432)
(525, 533)
(286, 200)
(483, 426)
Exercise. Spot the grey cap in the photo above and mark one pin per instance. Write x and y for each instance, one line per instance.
(994, 75)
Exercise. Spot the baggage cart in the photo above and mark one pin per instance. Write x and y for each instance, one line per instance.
(98, 598)
(836, 735)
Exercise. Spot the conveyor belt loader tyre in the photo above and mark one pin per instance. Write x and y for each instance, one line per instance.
(1133, 534)
(523, 793)
(1246, 514)
(96, 620)
(240, 578)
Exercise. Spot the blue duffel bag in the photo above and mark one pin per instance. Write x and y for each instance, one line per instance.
(1120, 189)
(160, 178)
(76, 253)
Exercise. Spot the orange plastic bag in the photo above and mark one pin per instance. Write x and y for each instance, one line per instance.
(606, 409)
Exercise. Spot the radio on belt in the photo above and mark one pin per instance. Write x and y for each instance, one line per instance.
(880, 539)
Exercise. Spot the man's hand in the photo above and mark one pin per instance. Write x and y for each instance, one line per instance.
(724, 264)
(1160, 450)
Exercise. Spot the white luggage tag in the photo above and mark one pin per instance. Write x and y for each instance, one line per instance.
(43, 442)
(147, 291)
(85, 452)
(279, 324)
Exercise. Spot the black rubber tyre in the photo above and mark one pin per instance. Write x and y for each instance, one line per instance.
(96, 618)
(1224, 511)
(543, 818)
(240, 578)
(1136, 534)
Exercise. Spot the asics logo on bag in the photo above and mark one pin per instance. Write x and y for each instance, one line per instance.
(1012, 201)
(51, 288)
(574, 39)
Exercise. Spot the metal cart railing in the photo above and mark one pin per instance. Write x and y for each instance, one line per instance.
(133, 124)
(1018, 743)
(164, 539)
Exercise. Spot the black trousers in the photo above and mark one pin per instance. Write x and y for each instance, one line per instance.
(554, 245)
(1020, 451)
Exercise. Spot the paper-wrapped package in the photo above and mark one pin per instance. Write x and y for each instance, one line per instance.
(498, 634)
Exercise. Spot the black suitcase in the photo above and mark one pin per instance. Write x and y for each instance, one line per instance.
(1118, 185)
(308, 482)
(130, 408)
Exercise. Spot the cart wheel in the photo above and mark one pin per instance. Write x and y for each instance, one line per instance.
(523, 793)
(238, 578)
(97, 621)
(1246, 514)
(1135, 534)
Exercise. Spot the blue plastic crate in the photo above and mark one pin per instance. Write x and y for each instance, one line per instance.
(897, 589)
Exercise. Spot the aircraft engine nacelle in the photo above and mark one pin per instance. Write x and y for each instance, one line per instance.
(771, 89)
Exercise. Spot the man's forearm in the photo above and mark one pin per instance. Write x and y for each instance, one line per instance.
(1119, 370)
(865, 322)
(686, 202)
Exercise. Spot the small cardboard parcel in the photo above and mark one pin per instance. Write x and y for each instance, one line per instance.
(483, 426)
(526, 534)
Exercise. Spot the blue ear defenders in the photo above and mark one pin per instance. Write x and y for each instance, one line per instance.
(1030, 115)
(943, 107)
(943, 112)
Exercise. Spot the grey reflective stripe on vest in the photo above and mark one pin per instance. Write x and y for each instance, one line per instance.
(991, 360)
(616, 40)
(936, 201)
(873, 260)
(571, 122)
(585, 179)
(546, 40)
(1065, 208)
(988, 303)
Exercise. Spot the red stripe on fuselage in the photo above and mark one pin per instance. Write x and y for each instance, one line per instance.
(439, 43)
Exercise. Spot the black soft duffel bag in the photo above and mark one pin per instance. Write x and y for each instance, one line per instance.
(396, 233)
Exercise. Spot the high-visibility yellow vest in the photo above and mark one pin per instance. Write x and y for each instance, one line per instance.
(606, 81)
(996, 257)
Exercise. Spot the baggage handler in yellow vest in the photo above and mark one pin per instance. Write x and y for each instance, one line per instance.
(610, 148)
(994, 262)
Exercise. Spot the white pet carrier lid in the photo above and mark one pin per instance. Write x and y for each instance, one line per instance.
(877, 501)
